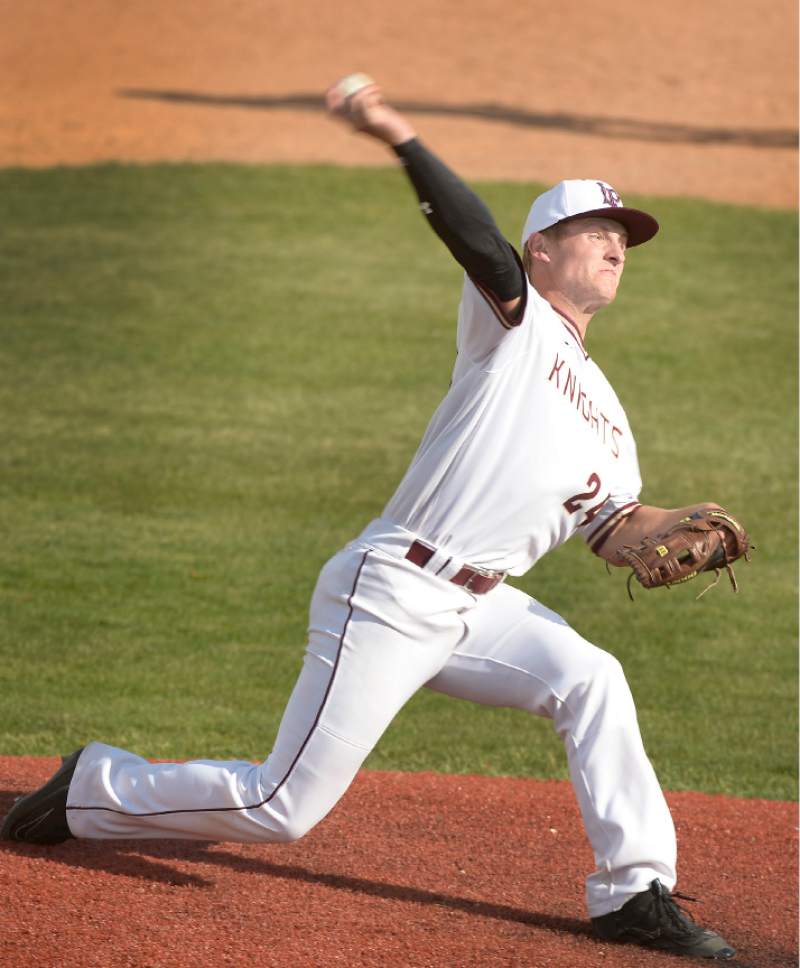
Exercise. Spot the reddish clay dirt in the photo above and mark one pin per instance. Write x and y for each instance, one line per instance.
(411, 870)
(679, 98)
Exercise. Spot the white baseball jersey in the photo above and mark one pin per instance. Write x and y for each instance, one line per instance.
(529, 445)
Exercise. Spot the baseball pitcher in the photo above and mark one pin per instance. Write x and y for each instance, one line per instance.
(529, 447)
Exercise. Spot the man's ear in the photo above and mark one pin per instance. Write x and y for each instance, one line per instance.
(537, 246)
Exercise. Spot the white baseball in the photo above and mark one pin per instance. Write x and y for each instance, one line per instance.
(353, 83)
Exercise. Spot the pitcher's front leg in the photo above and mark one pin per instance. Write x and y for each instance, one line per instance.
(520, 654)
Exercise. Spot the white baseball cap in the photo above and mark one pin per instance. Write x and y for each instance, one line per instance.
(583, 198)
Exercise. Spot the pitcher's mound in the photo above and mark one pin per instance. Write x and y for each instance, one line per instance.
(417, 870)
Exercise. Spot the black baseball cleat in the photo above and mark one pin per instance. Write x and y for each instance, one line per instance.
(41, 816)
(654, 920)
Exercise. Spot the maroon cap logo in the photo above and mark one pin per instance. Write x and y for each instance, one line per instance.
(610, 197)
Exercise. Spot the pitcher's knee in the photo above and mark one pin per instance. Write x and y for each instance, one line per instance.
(601, 686)
(608, 689)
(288, 830)
(608, 669)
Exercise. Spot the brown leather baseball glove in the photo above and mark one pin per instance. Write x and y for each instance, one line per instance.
(704, 541)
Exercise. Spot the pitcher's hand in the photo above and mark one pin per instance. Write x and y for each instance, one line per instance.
(358, 101)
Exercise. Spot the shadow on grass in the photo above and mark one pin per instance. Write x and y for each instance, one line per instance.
(576, 123)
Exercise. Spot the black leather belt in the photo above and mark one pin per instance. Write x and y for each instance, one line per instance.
(476, 580)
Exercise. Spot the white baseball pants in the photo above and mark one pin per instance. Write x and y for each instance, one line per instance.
(380, 628)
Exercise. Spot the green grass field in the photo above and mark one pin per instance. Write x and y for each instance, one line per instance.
(213, 376)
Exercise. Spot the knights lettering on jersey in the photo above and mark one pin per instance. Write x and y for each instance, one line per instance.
(529, 446)
(574, 394)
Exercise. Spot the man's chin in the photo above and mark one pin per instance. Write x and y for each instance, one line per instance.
(600, 301)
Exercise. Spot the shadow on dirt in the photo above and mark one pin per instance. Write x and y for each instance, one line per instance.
(150, 861)
(575, 123)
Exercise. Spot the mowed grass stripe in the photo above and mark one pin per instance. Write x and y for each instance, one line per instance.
(213, 376)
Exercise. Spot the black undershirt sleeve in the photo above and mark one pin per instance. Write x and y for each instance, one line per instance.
(463, 223)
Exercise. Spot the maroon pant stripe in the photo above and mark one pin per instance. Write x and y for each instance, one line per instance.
(255, 806)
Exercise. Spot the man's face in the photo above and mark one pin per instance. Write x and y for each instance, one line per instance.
(585, 259)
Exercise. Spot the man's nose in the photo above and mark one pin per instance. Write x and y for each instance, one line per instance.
(616, 253)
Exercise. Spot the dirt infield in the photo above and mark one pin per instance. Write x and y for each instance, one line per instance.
(683, 98)
(417, 871)
(412, 870)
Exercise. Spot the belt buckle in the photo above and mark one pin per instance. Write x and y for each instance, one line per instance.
(468, 582)
(482, 573)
